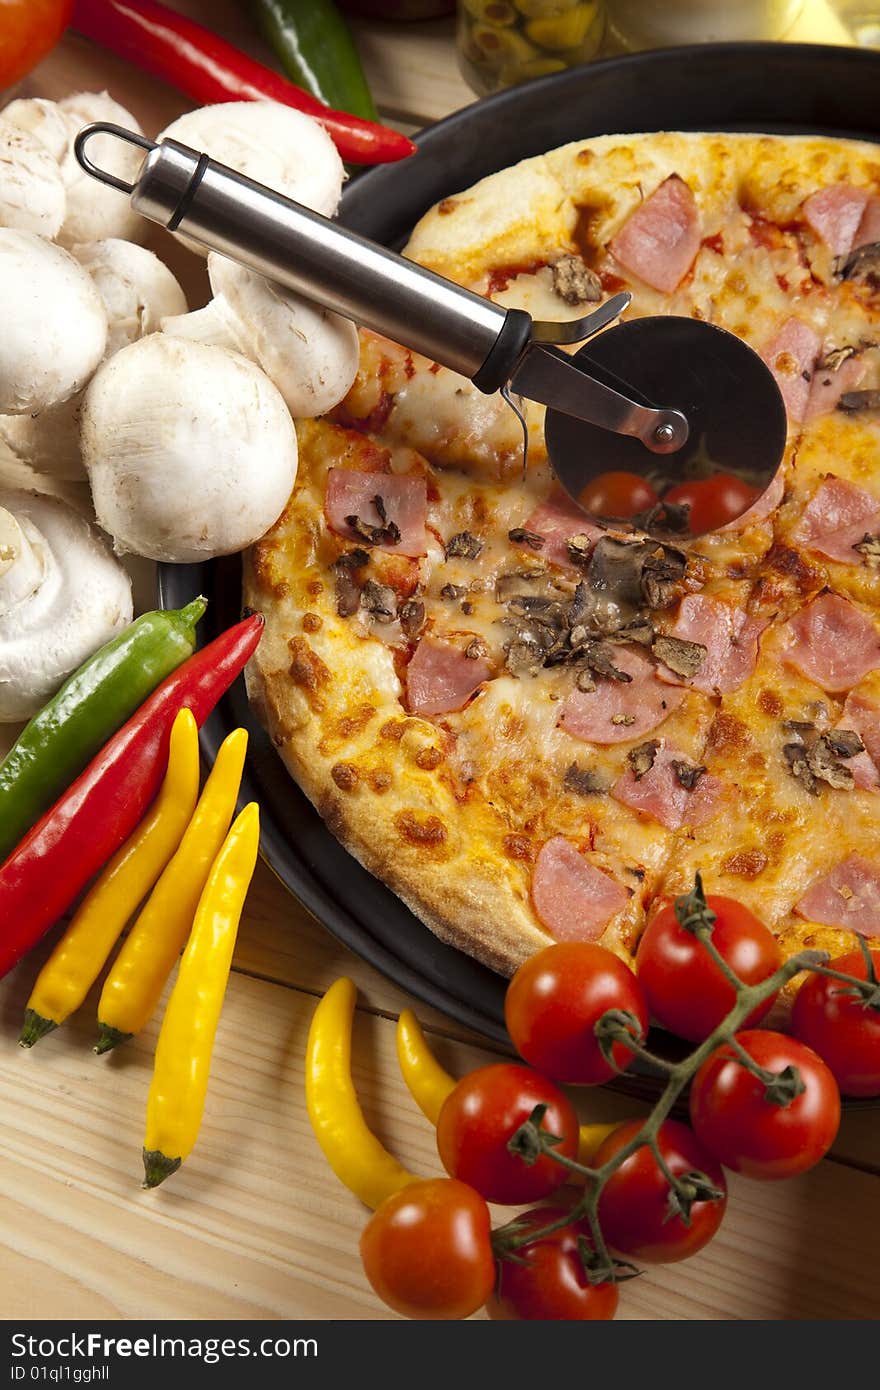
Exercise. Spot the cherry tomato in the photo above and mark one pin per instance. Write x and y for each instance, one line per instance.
(481, 1116)
(634, 1209)
(841, 1028)
(554, 1001)
(618, 494)
(686, 991)
(427, 1250)
(28, 29)
(713, 501)
(551, 1286)
(751, 1134)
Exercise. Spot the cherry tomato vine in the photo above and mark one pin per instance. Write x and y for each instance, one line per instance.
(782, 1088)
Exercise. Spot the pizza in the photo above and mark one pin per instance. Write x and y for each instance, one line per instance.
(534, 728)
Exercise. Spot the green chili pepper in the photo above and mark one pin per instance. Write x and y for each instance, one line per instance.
(315, 48)
(92, 704)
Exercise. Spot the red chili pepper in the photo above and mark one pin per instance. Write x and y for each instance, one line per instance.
(207, 68)
(86, 826)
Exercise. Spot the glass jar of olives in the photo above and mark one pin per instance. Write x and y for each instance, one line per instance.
(502, 42)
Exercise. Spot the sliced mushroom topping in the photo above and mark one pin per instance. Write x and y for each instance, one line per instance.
(348, 594)
(670, 517)
(574, 282)
(453, 591)
(835, 357)
(662, 573)
(523, 657)
(682, 657)
(687, 775)
(583, 781)
(520, 536)
(386, 534)
(352, 559)
(816, 758)
(476, 649)
(380, 600)
(463, 544)
(641, 759)
(861, 264)
(859, 402)
(412, 617)
(579, 548)
(624, 720)
(869, 549)
(640, 630)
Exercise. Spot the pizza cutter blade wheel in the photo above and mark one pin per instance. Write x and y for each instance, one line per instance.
(733, 407)
(669, 399)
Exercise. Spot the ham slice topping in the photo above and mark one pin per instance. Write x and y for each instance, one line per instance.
(791, 357)
(835, 215)
(834, 643)
(730, 636)
(848, 897)
(836, 519)
(869, 227)
(402, 499)
(441, 678)
(829, 384)
(658, 242)
(618, 711)
(573, 899)
(663, 793)
(556, 520)
(863, 716)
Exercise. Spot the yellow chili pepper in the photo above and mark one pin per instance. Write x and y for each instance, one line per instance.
(186, 1039)
(429, 1084)
(134, 985)
(350, 1147)
(79, 956)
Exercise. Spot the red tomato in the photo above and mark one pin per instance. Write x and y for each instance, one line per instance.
(713, 501)
(844, 1032)
(481, 1116)
(556, 998)
(28, 29)
(756, 1137)
(634, 1205)
(618, 494)
(427, 1251)
(551, 1286)
(685, 989)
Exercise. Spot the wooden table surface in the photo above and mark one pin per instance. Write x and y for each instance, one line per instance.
(255, 1225)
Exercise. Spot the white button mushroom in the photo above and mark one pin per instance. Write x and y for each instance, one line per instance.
(54, 326)
(138, 291)
(62, 595)
(310, 353)
(190, 449)
(32, 197)
(270, 143)
(93, 210)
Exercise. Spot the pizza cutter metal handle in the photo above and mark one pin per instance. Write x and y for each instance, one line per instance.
(186, 191)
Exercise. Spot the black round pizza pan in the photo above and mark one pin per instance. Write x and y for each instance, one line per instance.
(776, 88)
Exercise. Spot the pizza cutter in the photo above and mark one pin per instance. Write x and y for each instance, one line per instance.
(670, 399)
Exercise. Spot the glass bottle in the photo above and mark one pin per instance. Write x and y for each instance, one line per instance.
(638, 24)
(502, 42)
(862, 19)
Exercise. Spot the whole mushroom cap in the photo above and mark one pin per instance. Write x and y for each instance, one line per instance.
(93, 210)
(270, 143)
(62, 595)
(54, 326)
(137, 288)
(190, 450)
(32, 196)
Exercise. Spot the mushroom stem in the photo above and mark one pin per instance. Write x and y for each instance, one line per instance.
(207, 325)
(21, 569)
